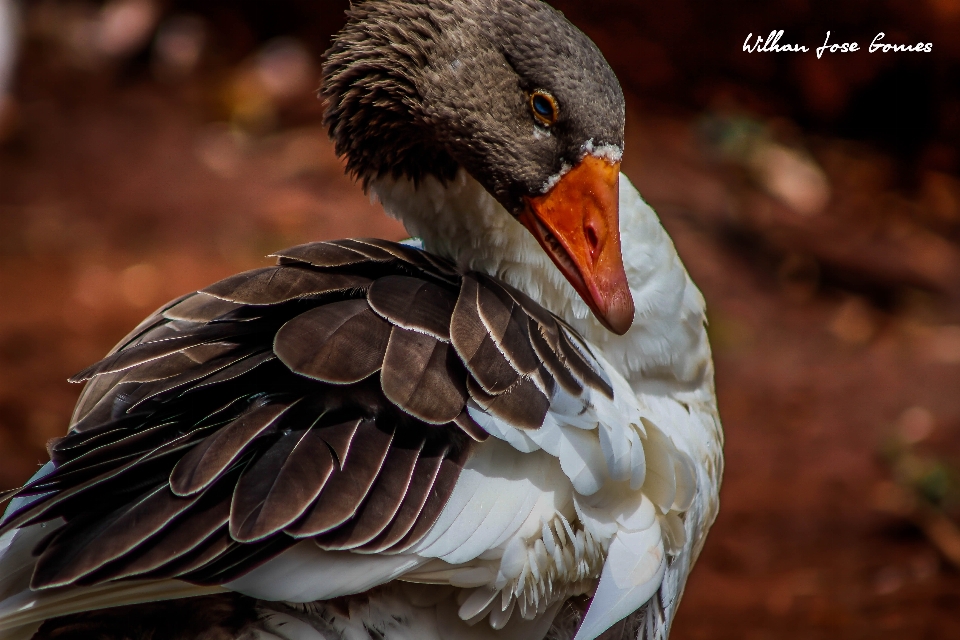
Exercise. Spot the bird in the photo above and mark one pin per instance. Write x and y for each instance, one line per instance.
(505, 427)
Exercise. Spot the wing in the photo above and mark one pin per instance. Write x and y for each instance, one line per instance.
(333, 397)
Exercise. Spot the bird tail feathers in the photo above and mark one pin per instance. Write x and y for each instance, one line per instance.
(22, 609)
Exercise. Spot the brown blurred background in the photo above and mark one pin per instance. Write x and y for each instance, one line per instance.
(149, 147)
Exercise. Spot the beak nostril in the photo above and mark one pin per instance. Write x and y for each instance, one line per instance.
(592, 238)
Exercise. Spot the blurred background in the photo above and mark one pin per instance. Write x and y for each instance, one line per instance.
(150, 147)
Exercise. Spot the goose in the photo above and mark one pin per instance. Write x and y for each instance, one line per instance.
(503, 428)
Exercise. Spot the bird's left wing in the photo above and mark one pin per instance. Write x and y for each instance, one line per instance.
(329, 397)
(249, 434)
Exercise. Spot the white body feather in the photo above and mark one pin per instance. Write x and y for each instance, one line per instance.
(608, 496)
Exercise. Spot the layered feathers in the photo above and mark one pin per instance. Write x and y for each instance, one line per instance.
(368, 377)
(224, 500)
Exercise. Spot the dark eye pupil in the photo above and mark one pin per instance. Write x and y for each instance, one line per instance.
(543, 106)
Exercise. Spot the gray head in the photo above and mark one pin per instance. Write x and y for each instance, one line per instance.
(511, 92)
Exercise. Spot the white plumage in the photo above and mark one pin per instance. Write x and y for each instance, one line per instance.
(629, 485)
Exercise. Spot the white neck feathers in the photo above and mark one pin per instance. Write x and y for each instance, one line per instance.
(461, 221)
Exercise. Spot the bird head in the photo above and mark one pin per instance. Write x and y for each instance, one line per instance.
(510, 92)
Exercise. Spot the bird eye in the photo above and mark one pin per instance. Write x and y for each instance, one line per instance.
(544, 107)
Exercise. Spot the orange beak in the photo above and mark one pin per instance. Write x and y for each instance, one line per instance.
(577, 223)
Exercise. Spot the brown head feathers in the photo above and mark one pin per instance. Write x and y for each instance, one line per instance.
(422, 88)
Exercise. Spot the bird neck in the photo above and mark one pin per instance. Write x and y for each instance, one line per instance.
(461, 221)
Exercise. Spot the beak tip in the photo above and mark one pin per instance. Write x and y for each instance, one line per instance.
(619, 318)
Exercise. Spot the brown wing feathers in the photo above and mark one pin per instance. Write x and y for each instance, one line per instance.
(423, 376)
(322, 398)
(340, 343)
(346, 491)
(277, 489)
(208, 460)
(382, 499)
